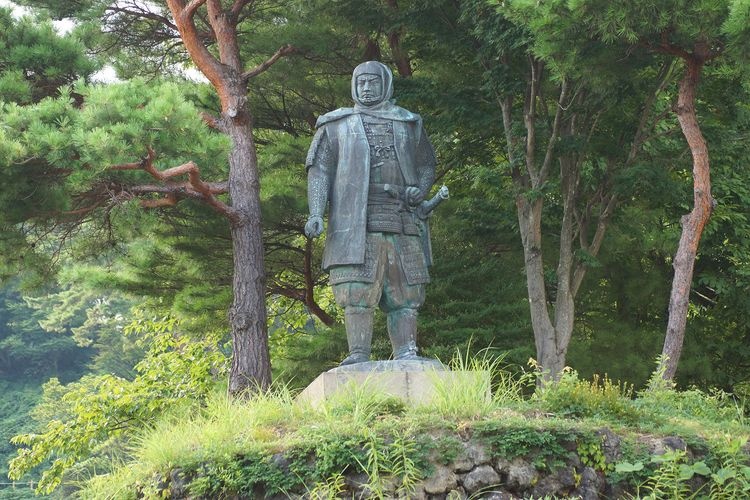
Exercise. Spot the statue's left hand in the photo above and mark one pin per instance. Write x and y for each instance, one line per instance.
(414, 196)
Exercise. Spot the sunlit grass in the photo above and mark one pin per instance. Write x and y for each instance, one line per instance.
(475, 387)
(478, 388)
(224, 426)
(117, 485)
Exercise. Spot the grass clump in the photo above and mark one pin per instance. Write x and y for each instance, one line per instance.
(477, 386)
(223, 427)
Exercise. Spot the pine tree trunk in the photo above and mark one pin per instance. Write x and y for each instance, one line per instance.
(692, 223)
(251, 366)
(400, 57)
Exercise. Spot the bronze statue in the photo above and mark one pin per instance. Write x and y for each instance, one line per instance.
(372, 165)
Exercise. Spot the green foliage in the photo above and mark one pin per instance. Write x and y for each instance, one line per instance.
(725, 473)
(37, 60)
(26, 350)
(96, 409)
(715, 409)
(591, 453)
(479, 385)
(271, 443)
(446, 449)
(64, 154)
(670, 480)
(573, 397)
(329, 489)
(732, 478)
(16, 404)
(56, 154)
(223, 478)
(546, 447)
(361, 403)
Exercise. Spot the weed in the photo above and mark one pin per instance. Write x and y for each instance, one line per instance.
(360, 403)
(572, 397)
(391, 466)
(329, 489)
(546, 447)
(671, 477)
(403, 464)
(476, 385)
(591, 453)
(446, 449)
(732, 479)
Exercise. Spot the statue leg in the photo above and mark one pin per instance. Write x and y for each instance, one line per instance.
(400, 302)
(358, 321)
(358, 299)
(402, 330)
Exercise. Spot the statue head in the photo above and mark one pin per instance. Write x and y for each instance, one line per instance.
(372, 84)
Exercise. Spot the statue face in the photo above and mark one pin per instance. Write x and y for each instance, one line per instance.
(369, 89)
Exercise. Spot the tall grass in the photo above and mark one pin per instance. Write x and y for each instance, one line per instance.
(222, 428)
(476, 386)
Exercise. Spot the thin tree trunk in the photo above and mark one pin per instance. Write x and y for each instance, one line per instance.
(251, 367)
(372, 50)
(692, 223)
(529, 220)
(565, 299)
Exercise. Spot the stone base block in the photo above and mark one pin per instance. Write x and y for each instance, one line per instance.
(415, 382)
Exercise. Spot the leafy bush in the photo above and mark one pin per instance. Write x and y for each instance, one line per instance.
(732, 476)
(545, 446)
(601, 398)
(714, 405)
(96, 409)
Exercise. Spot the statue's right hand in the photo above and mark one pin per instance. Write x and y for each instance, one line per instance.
(314, 226)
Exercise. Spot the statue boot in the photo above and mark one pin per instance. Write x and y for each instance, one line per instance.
(358, 322)
(402, 329)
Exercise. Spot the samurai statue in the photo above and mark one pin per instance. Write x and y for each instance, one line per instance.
(372, 165)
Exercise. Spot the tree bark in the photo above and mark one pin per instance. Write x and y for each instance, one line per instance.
(251, 367)
(552, 334)
(529, 220)
(251, 364)
(692, 223)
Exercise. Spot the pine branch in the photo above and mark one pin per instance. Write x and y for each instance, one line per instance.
(195, 187)
(283, 51)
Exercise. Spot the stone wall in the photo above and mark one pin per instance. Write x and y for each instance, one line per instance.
(468, 466)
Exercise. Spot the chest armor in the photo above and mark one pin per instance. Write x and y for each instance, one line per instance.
(384, 168)
(386, 211)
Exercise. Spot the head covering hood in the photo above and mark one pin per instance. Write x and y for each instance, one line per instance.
(385, 109)
(373, 68)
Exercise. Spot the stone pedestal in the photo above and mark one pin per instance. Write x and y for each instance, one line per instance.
(415, 382)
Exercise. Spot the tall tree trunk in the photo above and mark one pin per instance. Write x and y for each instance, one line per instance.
(565, 298)
(251, 366)
(692, 223)
(551, 348)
